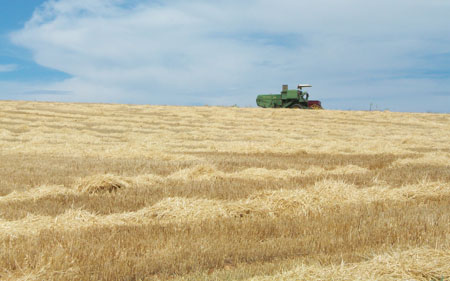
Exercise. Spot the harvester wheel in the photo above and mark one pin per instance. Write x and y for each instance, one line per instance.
(299, 106)
(316, 106)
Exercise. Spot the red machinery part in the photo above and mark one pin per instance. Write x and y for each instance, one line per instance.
(314, 104)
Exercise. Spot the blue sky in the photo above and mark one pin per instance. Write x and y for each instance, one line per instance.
(14, 14)
(393, 55)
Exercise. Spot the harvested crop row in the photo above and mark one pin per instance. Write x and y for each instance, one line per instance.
(343, 234)
(110, 183)
(323, 195)
(421, 264)
(37, 193)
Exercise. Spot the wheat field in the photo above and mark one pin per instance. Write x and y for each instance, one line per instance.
(127, 192)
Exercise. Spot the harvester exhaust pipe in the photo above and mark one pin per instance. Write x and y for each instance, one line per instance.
(285, 88)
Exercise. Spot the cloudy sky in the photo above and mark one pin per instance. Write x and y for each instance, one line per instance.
(391, 55)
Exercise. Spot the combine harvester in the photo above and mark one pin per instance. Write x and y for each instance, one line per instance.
(289, 99)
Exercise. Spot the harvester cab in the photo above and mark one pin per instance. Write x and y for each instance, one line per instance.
(303, 94)
(289, 99)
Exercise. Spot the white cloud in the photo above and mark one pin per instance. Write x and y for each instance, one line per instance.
(226, 52)
(8, 67)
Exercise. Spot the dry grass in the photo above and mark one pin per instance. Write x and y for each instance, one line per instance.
(117, 192)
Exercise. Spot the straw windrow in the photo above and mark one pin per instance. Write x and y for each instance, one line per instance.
(421, 264)
(323, 195)
(102, 183)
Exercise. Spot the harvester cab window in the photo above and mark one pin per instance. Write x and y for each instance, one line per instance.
(303, 95)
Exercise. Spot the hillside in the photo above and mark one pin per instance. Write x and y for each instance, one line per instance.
(121, 192)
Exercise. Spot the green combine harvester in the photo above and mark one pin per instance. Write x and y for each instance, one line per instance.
(289, 99)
